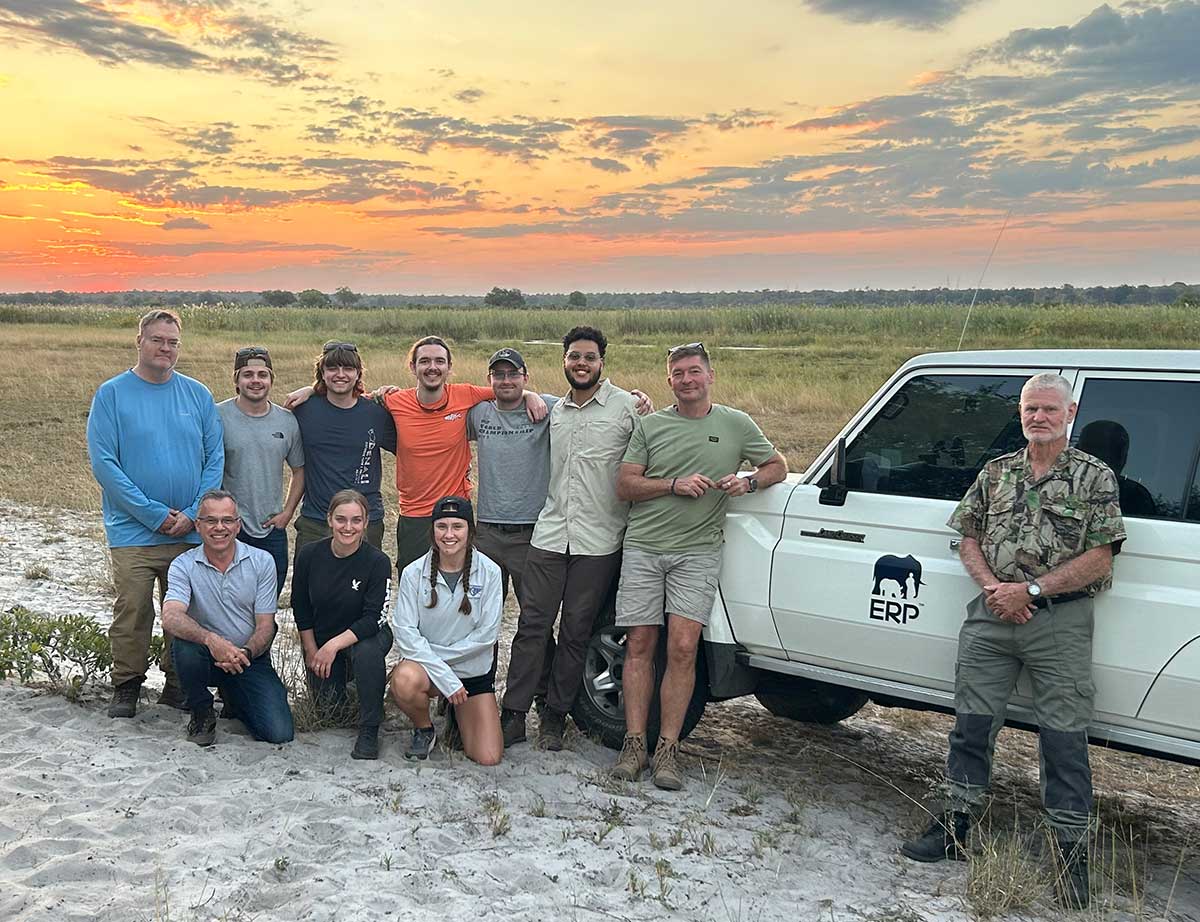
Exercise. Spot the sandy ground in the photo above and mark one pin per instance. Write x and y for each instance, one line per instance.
(125, 820)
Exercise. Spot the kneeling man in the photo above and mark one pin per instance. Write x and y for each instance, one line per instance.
(220, 608)
(679, 470)
(1040, 527)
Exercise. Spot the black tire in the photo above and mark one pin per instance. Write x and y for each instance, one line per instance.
(599, 708)
(807, 700)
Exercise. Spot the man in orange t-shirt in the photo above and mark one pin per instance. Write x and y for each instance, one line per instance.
(433, 456)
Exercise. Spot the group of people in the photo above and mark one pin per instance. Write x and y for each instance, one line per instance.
(573, 493)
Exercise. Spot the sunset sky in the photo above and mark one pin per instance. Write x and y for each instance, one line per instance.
(448, 147)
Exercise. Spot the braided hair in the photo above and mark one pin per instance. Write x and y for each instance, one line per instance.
(435, 566)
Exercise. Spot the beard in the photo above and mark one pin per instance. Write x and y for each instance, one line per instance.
(587, 385)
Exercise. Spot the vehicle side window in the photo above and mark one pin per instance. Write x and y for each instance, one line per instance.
(1148, 433)
(934, 435)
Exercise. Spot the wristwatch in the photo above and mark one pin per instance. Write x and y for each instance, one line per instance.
(249, 653)
(1034, 590)
(753, 482)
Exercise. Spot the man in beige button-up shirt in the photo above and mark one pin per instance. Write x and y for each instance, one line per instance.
(576, 548)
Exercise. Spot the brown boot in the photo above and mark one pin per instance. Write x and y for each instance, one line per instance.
(512, 726)
(666, 765)
(551, 729)
(632, 760)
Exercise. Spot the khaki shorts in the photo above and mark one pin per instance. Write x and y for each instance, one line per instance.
(678, 584)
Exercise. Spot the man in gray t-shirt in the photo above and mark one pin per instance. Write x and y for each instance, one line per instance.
(259, 438)
(514, 467)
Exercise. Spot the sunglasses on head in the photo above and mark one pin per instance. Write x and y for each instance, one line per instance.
(698, 347)
(331, 345)
(251, 352)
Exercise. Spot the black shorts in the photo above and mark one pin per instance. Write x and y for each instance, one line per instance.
(481, 684)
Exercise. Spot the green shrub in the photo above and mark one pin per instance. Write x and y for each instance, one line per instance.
(71, 651)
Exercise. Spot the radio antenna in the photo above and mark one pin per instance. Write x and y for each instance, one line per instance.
(979, 284)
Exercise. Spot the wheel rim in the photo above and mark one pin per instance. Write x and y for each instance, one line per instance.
(603, 665)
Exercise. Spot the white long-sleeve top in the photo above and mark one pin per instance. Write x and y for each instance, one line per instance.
(448, 644)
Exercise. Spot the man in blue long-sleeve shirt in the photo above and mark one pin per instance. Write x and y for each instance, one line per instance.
(154, 438)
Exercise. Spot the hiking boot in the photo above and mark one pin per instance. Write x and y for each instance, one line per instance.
(945, 838)
(632, 760)
(202, 728)
(125, 698)
(666, 765)
(367, 744)
(173, 697)
(1073, 875)
(421, 744)
(512, 725)
(551, 729)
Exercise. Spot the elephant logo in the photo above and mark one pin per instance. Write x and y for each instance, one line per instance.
(898, 570)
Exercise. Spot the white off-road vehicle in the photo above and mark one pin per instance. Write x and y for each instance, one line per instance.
(843, 585)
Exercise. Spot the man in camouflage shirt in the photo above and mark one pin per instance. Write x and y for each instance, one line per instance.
(1040, 527)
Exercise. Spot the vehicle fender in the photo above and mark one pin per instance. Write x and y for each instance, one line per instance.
(1172, 698)
(727, 678)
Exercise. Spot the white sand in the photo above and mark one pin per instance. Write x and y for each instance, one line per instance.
(125, 820)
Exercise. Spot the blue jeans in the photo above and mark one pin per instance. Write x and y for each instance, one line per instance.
(257, 694)
(275, 543)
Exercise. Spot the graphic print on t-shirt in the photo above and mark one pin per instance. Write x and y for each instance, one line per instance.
(363, 474)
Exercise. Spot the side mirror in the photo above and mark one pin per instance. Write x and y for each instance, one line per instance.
(835, 493)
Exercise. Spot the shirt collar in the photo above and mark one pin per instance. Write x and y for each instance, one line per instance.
(603, 392)
(240, 552)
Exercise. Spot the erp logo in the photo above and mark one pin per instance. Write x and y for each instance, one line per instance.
(901, 571)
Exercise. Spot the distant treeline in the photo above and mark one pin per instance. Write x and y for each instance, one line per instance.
(1178, 293)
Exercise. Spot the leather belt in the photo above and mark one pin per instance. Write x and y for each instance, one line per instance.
(511, 529)
(1047, 601)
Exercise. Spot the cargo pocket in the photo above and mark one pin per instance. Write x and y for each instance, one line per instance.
(1067, 523)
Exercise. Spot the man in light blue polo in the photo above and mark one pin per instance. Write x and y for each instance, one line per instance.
(220, 607)
(155, 443)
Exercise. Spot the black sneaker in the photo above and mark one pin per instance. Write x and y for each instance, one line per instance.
(945, 838)
(422, 743)
(125, 698)
(173, 697)
(1073, 876)
(202, 728)
(367, 744)
(551, 729)
(512, 725)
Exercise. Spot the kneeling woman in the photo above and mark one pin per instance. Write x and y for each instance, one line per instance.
(447, 619)
(341, 590)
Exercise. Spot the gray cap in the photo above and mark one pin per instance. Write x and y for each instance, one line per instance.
(512, 356)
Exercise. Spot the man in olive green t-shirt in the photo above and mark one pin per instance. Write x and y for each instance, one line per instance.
(679, 471)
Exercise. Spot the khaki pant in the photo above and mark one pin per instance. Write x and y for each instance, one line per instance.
(135, 570)
(1055, 646)
(310, 530)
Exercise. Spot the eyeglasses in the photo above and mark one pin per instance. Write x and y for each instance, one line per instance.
(589, 357)
(159, 341)
(331, 345)
(697, 347)
(212, 521)
(249, 352)
(507, 375)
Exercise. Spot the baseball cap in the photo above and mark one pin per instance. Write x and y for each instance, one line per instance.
(245, 355)
(511, 356)
(453, 507)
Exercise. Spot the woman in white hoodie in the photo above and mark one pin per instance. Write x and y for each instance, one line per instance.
(446, 621)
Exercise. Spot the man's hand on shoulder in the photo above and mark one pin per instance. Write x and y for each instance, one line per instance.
(535, 406)
(298, 396)
(642, 402)
(381, 393)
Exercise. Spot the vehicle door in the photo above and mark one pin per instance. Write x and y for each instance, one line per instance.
(874, 585)
(1146, 427)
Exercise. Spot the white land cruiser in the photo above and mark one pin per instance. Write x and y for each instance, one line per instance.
(843, 584)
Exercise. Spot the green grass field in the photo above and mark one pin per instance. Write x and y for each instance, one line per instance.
(810, 368)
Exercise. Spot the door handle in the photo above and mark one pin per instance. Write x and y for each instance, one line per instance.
(955, 543)
(838, 535)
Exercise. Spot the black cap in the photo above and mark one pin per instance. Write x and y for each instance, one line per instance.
(244, 357)
(512, 356)
(453, 507)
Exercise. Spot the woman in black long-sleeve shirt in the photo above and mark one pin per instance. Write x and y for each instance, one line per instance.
(341, 595)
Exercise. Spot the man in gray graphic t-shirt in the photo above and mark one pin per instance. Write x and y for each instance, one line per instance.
(259, 438)
(514, 467)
